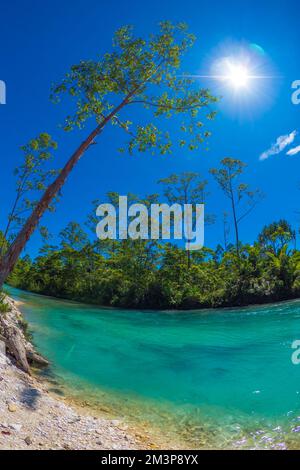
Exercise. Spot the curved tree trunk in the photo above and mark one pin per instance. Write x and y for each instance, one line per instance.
(8, 261)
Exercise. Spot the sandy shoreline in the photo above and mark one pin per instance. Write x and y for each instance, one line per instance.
(30, 418)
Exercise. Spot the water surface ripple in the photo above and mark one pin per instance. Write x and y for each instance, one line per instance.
(216, 378)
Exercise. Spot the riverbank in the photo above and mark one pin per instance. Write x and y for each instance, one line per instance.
(30, 418)
(190, 307)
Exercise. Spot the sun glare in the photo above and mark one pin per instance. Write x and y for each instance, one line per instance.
(242, 75)
(237, 75)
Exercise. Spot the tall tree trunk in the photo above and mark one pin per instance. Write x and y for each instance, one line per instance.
(236, 228)
(8, 261)
(225, 231)
(188, 253)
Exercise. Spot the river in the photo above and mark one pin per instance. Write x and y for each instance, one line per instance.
(208, 379)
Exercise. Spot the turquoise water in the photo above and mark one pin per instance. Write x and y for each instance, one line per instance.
(221, 378)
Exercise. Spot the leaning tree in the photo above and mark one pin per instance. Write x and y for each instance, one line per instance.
(137, 72)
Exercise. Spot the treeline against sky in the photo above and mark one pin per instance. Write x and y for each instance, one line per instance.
(152, 274)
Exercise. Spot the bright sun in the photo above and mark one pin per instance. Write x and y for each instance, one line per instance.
(237, 75)
(240, 73)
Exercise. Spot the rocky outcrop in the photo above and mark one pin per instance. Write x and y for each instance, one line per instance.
(13, 340)
(33, 418)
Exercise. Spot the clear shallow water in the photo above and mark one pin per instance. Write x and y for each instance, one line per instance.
(221, 378)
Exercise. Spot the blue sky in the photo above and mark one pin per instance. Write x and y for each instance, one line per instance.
(41, 40)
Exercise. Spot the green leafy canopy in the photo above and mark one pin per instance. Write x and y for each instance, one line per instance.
(147, 73)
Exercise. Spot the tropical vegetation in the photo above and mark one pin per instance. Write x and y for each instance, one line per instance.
(157, 274)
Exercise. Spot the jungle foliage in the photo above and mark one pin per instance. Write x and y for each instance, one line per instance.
(152, 274)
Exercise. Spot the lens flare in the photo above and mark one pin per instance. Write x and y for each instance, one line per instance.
(242, 75)
(237, 75)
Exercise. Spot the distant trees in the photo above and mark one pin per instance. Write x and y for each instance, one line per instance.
(241, 197)
(134, 273)
(276, 235)
(185, 188)
(33, 176)
(138, 72)
(155, 274)
(73, 236)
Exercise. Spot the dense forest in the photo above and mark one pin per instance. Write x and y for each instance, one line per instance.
(146, 274)
(159, 274)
